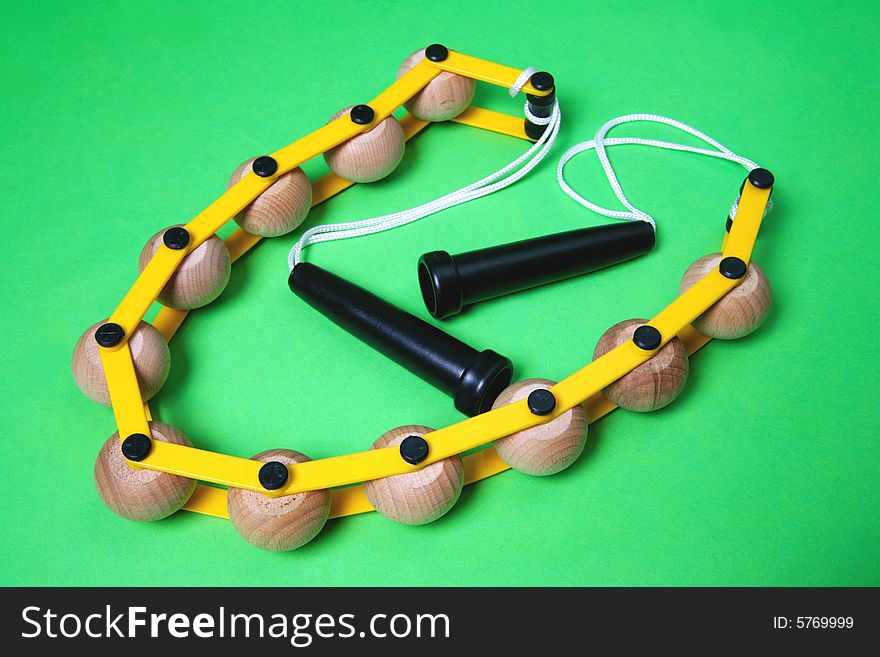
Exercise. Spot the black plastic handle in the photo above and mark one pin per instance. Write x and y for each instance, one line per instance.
(473, 378)
(449, 283)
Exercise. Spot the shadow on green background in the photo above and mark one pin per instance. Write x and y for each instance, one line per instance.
(122, 118)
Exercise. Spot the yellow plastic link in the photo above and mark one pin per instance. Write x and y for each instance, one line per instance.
(168, 320)
(406, 86)
(690, 305)
(486, 119)
(480, 69)
(240, 242)
(205, 466)
(477, 466)
(125, 393)
(208, 501)
(747, 222)
(146, 288)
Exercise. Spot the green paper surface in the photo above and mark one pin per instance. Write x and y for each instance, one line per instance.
(119, 119)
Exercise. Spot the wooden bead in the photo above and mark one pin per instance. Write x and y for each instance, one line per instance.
(283, 523)
(278, 210)
(149, 351)
(419, 497)
(740, 311)
(654, 383)
(443, 98)
(141, 494)
(369, 156)
(200, 277)
(544, 449)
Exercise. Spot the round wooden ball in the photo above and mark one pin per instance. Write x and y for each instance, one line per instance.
(282, 523)
(419, 497)
(201, 276)
(141, 494)
(544, 449)
(654, 383)
(278, 210)
(740, 311)
(369, 156)
(149, 351)
(443, 98)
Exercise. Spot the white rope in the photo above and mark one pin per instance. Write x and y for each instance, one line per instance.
(502, 178)
(600, 142)
(521, 80)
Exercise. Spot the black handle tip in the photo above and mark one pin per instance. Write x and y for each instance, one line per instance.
(482, 382)
(440, 284)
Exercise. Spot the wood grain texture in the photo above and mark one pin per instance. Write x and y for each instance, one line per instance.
(653, 384)
(141, 494)
(547, 448)
(283, 523)
(419, 497)
(739, 312)
(371, 155)
(149, 351)
(278, 210)
(443, 98)
(201, 276)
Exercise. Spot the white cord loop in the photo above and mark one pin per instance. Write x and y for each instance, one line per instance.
(599, 143)
(521, 80)
(537, 120)
(502, 178)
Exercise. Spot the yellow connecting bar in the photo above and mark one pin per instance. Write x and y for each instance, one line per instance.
(477, 466)
(584, 385)
(480, 69)
(486, 119)
(168, 320)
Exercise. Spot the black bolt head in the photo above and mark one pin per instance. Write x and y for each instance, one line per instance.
(732, 267)
(265, 166)
(273, 475)
(761, 178)
(436, 53)
(414, 449)
(176, 238)
(109, 334)
(136, 447)
(541, 402)
(542, 81)
(362, 114)
(647, 338)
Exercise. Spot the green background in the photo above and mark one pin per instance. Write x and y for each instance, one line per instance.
(119, 119)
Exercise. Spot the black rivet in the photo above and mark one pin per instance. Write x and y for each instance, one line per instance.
(136, 447)
(436, 53)
(542, 81)
(176, 238)
(761, 178)
(647, 338)
(109, 334)
(732, 267)
(362, 114)
(273, 475)
(728, 224)
(414, 449)
(541, 402)
(265, 166)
